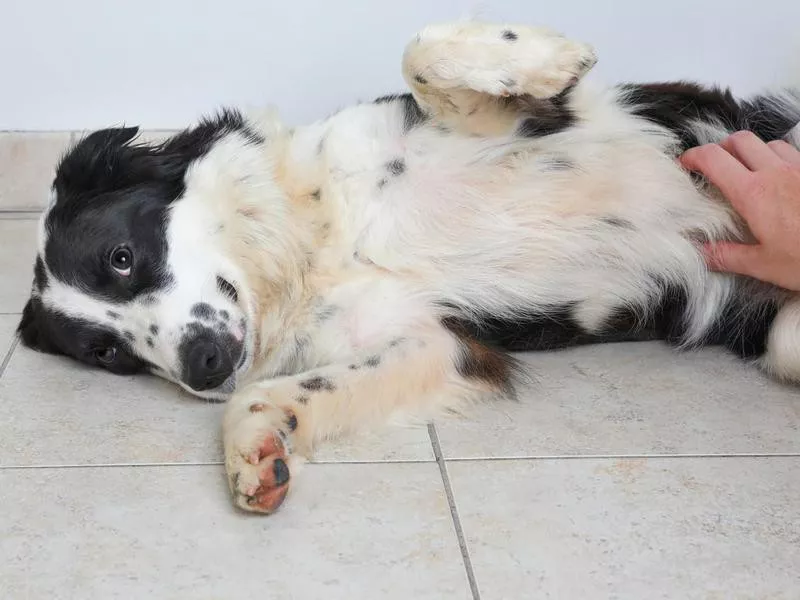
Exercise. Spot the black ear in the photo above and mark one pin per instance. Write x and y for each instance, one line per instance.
(98, 162)
(28, 328)
(33, 328)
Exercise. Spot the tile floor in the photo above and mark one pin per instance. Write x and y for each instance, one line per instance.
(626, 471)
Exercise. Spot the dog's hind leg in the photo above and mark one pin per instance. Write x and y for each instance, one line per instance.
(410, 378)
(482, 78)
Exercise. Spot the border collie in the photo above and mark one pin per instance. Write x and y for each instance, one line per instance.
(381, 263)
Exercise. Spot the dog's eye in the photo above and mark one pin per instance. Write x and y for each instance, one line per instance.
(227, 288)
(106, 355)
(121, 260)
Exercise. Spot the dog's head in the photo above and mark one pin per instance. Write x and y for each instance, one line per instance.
(132, 274)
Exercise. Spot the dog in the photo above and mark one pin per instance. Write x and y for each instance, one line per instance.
(384, 263)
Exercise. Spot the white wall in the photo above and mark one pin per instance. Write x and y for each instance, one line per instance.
(159, 63)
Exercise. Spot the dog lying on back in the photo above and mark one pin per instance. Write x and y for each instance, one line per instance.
(379, 264)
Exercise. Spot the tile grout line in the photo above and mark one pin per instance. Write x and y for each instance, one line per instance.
(109, 466)
(7, 357)
(408, 461)
(217, 463)
(451, 501)
(625, 456)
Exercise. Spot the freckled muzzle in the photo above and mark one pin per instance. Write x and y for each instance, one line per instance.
(208, 357)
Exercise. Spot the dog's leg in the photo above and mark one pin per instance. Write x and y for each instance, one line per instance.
(480, 77)
(416, 376)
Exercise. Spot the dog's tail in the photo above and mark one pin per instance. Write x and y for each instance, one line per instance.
(773, 116)
(700, 115)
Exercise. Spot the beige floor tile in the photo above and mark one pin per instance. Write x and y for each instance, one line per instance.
(632, 529)
(57, 412)
(631, 399)
(8, 325)
(387, 444)
(346, 531)
(28, 166)
(16, 263)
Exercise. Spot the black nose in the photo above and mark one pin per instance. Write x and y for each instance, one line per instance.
(207, 365)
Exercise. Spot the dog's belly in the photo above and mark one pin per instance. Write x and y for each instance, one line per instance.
(358, 316)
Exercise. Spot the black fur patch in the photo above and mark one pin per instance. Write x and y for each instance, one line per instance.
(396, 166)
(39, 275)
(413, 115)
(676, 106)
(557, 328)
(372, 361)
(203, 310)
(52, 332)
(742, 327)
(509, 35)
(302, 399)
(316, 194)
(149, 342)
(111, 314)
(420, 79)
(318, 383)
(154, 329)
(200, 138)
(546, 331)
(543, 117)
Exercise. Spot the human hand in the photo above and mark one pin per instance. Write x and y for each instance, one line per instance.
(762, 183)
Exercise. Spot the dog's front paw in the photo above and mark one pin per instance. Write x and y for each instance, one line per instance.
(257, 452)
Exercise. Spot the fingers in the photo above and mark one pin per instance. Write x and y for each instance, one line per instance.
(721, 168)
(730, 257)
(786, 151)
(751, 151)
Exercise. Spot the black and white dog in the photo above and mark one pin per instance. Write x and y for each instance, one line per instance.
(370, 266)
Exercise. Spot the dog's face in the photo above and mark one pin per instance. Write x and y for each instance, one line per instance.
(128, 277)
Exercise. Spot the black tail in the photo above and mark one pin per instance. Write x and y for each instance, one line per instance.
(699, 115)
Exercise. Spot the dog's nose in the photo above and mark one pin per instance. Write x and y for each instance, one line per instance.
(207, 365)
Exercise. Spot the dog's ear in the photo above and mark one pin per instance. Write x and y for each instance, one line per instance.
(34, 330)
(99, 162)
(29, 328)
